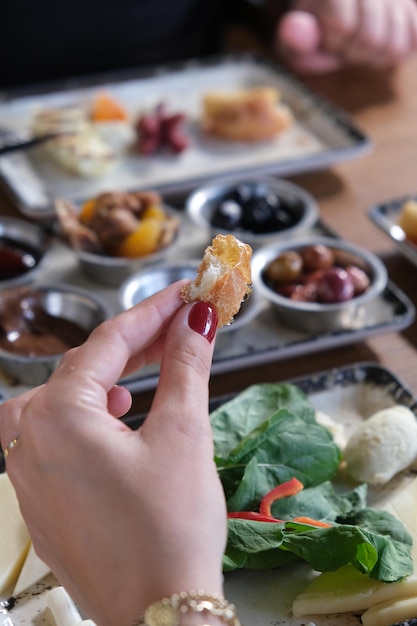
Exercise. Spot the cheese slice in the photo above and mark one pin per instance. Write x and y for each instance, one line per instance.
(62, 607)
(349, 590)
(64, 610)
(14, 536)
(403, 506)
(390, 612)
(33, 570)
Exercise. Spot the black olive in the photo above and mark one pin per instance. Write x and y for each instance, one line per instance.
(241, 194)
(253, 207)
(257, 215)
(273, 200)
(283, 219)
(227, 215)
(260, 190)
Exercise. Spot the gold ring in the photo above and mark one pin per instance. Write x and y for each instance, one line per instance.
(10, 446)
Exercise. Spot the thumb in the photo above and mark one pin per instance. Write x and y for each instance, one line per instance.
(182, 392)
(298, 33)
(299, 40)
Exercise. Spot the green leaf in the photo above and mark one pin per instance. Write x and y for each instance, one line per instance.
(255, 545)
(327, 549)
(232, 421)
(266, 436)
(321, 503)
(282, 451)
(263, 545)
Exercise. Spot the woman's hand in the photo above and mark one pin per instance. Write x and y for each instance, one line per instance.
(124, 517)
(318, 36)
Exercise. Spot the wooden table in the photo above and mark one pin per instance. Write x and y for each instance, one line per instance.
(384, 105)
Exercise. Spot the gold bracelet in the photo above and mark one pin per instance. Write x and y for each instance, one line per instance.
(168, 611)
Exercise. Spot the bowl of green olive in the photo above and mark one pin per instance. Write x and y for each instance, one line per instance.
(318, 284)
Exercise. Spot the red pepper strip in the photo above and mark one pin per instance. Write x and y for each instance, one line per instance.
(290, 488)
(252, 515)
(311, 522)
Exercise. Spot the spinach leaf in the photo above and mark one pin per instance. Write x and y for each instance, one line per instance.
(264, 545)
(235, 419)
(264, 437)
(255, 545)
(322, 503)
(327, 549)
(282, 450)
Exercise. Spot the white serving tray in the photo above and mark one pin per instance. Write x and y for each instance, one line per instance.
(321, 135)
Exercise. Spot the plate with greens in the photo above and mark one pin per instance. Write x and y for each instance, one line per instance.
(307, 545)
(362, 550)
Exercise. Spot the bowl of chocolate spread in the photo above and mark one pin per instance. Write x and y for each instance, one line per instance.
(39, 324)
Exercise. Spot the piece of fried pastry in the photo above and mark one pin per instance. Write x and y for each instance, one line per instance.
(223, 277)
(254, 114)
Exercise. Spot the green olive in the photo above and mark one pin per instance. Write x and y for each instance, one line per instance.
(317, 257)
(288, 266)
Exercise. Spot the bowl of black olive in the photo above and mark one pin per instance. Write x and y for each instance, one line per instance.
(318, 284)
(257, 211)
(23, 249)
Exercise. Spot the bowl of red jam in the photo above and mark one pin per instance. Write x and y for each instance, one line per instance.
(23, 248)
(257, 211)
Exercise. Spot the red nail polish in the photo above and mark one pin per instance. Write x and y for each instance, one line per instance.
(203, 320)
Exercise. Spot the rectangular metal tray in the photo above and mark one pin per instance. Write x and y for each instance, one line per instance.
(264, 598)
(261, 340)
(385, 216)
(321, 135)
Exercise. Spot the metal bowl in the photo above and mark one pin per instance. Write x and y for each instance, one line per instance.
(23, 250)
(149, 281)
(301, 206)
(111, 271)
(315, 317)
(67, 303)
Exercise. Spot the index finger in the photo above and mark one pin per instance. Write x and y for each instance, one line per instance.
(120, 341)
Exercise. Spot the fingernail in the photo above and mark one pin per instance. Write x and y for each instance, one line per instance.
(203, 320)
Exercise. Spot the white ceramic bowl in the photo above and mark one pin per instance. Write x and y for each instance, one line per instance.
(147, 282)
(42, 307)
(318, 317)
(293, 202)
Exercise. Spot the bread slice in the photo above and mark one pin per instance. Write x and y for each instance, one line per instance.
(253, 114)
(223, 277)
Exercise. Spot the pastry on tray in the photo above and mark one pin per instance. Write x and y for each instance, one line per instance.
(253, 114)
